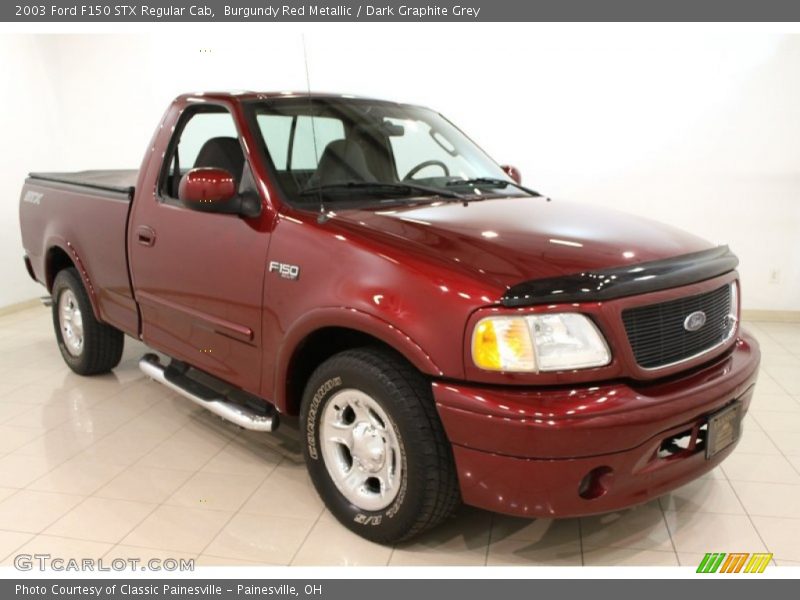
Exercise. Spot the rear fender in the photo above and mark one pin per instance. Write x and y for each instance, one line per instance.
(73, 255)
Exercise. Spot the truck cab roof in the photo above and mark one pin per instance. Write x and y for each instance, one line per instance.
(249, 95)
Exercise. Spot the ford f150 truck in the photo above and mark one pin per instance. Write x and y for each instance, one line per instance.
(441, 332)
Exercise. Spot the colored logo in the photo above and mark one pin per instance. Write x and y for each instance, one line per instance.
(694, 321)
(735, 562)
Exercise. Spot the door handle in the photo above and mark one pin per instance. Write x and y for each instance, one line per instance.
(145, 235)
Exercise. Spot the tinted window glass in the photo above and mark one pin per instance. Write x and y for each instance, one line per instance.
(201, 128)
(307, 150)
(419, 139)
(276, 130)
(207, 139)
(343, 149)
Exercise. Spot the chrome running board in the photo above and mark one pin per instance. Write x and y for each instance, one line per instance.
(177, 380)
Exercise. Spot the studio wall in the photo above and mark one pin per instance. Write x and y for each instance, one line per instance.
(700, 131)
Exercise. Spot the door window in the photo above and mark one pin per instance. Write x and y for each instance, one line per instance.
(207, 139)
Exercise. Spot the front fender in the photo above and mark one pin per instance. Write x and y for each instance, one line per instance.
(349, 318)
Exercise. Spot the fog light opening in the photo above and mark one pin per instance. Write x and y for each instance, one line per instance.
(596, 483)
(676, 444)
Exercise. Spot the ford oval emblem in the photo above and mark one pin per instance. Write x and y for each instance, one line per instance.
(694, 321)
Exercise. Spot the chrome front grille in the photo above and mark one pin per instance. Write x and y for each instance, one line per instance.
(658, 333)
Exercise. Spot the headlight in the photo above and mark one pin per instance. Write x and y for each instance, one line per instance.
(547, 342)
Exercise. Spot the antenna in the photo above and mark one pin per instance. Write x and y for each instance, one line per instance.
(322, 214)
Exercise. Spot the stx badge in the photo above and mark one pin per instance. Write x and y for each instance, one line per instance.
(32, 197)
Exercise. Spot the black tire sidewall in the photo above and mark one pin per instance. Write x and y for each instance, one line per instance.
(68, 279)
(396, 519)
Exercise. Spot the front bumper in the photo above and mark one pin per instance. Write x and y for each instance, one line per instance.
(563, 452)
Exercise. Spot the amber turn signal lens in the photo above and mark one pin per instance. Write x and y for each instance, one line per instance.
(503, 344)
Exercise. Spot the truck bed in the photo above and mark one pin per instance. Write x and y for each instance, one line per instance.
(84, 215)
(114, 180)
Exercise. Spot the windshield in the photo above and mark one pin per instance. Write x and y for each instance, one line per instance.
(351, 150)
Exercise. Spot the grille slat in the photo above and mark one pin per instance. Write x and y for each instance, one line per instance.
(657, 335)
(711, 334)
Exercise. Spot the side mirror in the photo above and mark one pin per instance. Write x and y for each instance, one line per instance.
(213, 190)
(512, 172)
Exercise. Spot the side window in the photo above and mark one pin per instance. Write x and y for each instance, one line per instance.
(207, 139)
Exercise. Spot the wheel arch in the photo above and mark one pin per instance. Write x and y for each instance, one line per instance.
(325, 332)
(64, 256)
(56, 260)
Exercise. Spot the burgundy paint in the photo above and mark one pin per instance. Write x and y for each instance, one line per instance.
(415, 277)
(207, 185)
(512, 172)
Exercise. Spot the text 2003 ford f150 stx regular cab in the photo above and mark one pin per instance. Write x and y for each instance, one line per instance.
(443, 333)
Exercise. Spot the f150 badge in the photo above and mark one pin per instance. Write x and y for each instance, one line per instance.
(285, 270)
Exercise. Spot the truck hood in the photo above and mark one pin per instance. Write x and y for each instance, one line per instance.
(511, 240)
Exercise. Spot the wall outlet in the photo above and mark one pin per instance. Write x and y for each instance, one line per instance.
(775, 276)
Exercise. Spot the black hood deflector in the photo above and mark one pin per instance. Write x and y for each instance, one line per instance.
(618, 282)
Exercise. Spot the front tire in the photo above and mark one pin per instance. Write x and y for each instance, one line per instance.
(374, 446)
(88, 346)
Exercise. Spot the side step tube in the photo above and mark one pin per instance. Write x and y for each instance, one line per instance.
(46, 300)
(205, 397)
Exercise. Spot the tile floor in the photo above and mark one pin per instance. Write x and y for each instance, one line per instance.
(118, 466)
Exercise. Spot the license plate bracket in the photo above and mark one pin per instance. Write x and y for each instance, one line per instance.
(724, 428)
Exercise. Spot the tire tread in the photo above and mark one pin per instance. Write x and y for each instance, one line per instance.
(102, 343)
(441, 495)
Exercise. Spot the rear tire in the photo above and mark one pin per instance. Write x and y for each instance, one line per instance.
(375, 447)
(88, 346)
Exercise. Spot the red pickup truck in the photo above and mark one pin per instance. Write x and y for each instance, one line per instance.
(443, 333)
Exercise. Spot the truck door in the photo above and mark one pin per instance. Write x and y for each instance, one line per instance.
(198, 276)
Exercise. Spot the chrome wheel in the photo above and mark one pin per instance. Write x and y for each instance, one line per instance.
(361, 450)
(70, 322)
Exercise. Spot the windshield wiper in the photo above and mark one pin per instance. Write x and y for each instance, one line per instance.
(380, 187)
(494, 182)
